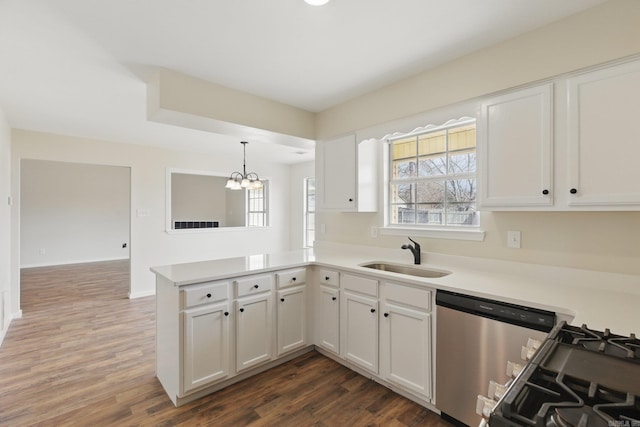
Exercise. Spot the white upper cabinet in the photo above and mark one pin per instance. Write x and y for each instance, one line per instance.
(348, 176)
(604, 137)
(577, 150)
(515, 148)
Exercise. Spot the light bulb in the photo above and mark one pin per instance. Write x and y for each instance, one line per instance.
(316, 2)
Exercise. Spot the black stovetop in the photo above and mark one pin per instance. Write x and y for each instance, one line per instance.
(578, 377)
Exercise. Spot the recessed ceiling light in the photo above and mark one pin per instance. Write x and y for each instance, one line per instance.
(316, 2)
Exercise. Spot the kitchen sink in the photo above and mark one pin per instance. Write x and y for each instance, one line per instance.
(406, 269)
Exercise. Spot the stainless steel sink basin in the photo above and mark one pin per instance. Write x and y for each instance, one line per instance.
(406, 269)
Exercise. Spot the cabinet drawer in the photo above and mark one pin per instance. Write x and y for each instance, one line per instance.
(205, 293)
(329, 277)
(291, 277)
(253, 285)
(359, 284)
(406, 295)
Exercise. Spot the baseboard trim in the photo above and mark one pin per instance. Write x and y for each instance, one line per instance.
(84, 261)
(134, 295)
(3, 333)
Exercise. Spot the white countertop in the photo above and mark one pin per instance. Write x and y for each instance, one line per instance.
(600, 300)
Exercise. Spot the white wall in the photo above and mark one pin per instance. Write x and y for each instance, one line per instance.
(235, 203)
(5, 224)
(150, 244)
(299, 172)
(604, 241)
(72, 213)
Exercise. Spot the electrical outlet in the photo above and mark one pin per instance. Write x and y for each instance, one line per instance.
(373, 231)
(513, 239)
(43, 251)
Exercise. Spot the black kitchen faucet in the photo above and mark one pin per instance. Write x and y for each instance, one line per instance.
(415, 250)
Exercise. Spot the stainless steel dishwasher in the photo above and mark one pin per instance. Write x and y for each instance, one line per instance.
(475, 339)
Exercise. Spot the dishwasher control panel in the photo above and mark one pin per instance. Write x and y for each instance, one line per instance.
(540, 320)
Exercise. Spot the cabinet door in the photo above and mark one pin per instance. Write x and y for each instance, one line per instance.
(327, 322)
(206, 345)
(292, 319)
(338, 179)
(254, 342)
(405, 348)
(604, 137)
(359, 318)
(515, 149)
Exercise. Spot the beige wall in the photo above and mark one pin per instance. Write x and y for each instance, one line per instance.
(72, 213)
(590, 240)
(185, 100)
(150, 244)
(599, 34)
(198, 198)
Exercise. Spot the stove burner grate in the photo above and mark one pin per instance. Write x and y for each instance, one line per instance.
(602, 342)
(578, 378)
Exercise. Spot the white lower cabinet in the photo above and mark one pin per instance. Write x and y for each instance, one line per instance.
(381, 328)
(206, 345)
(359, 321)
(254, 344)
(405, 338)
(292, 318)
(327, 318)
(254, 320)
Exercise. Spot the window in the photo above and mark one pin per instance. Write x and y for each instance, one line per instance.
(433, 177)
(197, 202)
(257, 207)
(309, 211)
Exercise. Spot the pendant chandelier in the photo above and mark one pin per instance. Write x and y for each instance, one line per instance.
(240, 181)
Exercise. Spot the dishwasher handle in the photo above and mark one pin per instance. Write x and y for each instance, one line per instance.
(532, 318)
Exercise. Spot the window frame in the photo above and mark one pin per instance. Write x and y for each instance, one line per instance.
(265, 206)
(309, 226)
(459, 232)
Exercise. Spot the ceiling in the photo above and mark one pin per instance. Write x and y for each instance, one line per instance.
(78, 67)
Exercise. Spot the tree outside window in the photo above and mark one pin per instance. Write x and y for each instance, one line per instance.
(433, 177)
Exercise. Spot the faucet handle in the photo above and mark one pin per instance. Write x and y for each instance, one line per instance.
(417, 245)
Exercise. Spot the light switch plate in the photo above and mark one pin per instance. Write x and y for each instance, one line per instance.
(513, 239)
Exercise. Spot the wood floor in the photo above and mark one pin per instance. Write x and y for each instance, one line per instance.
(83, 355)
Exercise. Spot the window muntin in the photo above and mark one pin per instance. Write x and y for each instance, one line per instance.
(257, 206)
(309, 211)
(433, 177)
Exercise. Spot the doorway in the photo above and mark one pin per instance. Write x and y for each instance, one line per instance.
(73, 213)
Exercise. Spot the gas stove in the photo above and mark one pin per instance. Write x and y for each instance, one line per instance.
(578, 377)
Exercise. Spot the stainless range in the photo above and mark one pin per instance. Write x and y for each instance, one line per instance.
(578, 377)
